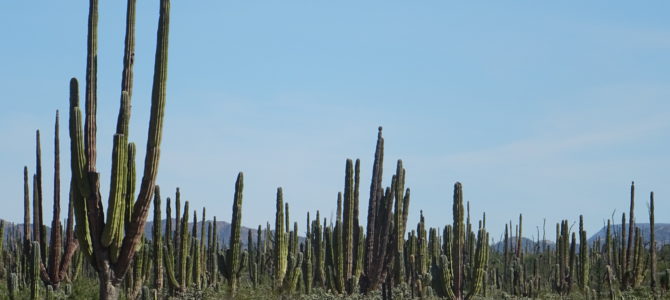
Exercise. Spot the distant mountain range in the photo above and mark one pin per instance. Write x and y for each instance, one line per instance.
(527, 244)
(662, 231)
(223, 231)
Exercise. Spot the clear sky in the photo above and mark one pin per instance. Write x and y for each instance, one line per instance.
(548, 109)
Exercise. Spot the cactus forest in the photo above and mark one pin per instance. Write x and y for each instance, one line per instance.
(101, 250)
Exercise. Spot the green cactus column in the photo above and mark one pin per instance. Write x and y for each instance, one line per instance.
(280, 243)
(398, 223)
(184, 248)
(584, 263)
(233, 262)
(652, 245)
(157, 241)
(458, 241)
(308, 264)
(35, 281)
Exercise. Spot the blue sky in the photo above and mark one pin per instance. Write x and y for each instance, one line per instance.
(545, 109)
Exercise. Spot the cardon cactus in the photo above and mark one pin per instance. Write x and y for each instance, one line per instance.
(385, 227)
(52, 270)
(584, 257)
(232, 260)
(35, 282)
(450, 274)
(113, 242)
(157, 241)
(280, 242)
(13, 285)
(308, 265)
(652, 245)
(169, 257)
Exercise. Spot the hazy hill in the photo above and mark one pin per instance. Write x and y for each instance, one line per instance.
(662, 231)
(527, 244)
(222, 230)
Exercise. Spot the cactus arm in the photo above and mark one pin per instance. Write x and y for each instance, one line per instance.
(140, 210)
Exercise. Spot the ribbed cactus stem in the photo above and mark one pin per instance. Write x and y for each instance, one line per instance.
(37, 199)
(53, 267)
(184, 248)
(584, 256)
(195, 253)
(398, 222)
(280, 243)
(348, 220)
(35, 281)
(458, 241)
(232, 261)
(202, 263)
(130, 183)
(157, 241)
(652, 245)
(307, 265)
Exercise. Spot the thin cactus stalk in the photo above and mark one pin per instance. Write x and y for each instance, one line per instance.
(169, 252)
(308, 265)
(202, 262)
(37, 198)
(458, 241)
(348, 221)
(183, 248)
(177, 226)
(584, 263)
(631, 240)
(652, 245)
(35, 282)
(339, 267)
(195, 253)
(157, 241)
(280, 243)
(319, 252)
(399, 230)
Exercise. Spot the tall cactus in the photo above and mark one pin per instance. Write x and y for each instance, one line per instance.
(450, 275)
(307, 271)
(652, 245)
(114, 243)
(584, 257)
(385, 227)
(280, 242)
(170, 254)
(157, 241)
(55, 262)
(184, 243)
(35, 271)
(629, 245)
(233, 260)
